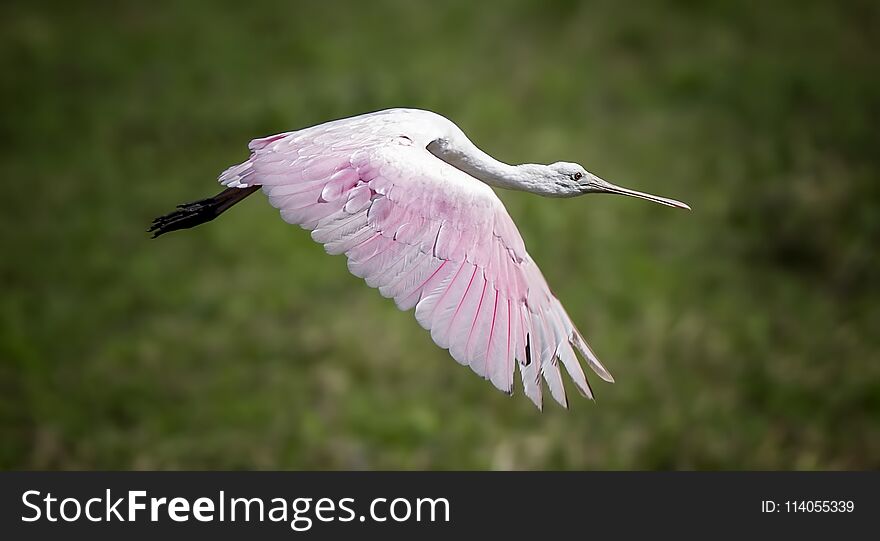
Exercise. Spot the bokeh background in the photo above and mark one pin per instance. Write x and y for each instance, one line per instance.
(743, 335)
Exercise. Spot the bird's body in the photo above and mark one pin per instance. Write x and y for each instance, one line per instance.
(406, 196)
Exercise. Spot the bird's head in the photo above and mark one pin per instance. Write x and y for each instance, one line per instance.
(571, 179)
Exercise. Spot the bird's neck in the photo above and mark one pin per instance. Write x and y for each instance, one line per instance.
(462, 154)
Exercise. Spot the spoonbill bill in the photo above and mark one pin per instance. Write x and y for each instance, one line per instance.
(408, 198)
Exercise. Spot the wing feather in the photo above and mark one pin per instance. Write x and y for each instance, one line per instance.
(480, 339)
(550, 366)
(463, 318)
(528, 364)
(407, 255)
(498, 349)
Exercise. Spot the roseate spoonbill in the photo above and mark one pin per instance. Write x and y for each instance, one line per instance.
(407, 197)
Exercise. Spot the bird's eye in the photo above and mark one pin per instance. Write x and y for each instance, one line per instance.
(577, 176)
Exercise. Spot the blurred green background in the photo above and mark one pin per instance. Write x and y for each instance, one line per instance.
(743, 335)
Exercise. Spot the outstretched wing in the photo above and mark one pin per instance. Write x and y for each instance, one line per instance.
(431, 237)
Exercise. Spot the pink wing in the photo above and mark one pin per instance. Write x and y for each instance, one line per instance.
(430, 237)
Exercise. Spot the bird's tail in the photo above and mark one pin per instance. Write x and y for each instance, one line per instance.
(198, 212)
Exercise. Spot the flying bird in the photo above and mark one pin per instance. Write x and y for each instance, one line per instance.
(408, 198)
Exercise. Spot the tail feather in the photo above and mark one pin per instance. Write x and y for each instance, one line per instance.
(198, 212)
(238, 176)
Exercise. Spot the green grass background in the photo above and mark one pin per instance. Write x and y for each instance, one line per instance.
(743, 335)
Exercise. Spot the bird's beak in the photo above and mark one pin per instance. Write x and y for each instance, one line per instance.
(603, 186)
